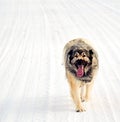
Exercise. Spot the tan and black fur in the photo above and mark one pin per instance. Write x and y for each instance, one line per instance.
(81, 64)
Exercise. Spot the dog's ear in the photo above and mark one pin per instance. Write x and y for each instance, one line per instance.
(73, 48)
(70, 52)
(91, 53)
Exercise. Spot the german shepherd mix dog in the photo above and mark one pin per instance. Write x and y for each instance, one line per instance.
(81, 64)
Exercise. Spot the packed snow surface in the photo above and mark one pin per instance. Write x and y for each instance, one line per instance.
(33, 86)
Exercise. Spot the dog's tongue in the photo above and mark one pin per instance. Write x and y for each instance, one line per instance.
(80, 71)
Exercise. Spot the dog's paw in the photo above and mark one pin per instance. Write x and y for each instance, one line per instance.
(80, 109)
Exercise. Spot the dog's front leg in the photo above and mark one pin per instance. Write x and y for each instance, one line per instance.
(88, 91)
(75, 93)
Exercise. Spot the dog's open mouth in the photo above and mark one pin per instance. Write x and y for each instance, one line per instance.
(80, 71)
(80, 65)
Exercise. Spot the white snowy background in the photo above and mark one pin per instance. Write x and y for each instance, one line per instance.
(33, 87)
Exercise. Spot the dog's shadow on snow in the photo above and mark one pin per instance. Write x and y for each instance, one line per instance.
(54, 104)
(44, 105)
(37, 105)
(60, 104)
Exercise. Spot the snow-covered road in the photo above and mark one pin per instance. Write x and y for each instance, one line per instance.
(33, 87)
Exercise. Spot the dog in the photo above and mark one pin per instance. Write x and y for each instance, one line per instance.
(81, 65)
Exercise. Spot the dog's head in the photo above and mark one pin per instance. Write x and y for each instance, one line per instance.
(80, 61)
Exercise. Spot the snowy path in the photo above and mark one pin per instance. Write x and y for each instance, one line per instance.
(33, 87)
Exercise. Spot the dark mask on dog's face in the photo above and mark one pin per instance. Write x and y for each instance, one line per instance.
(80, 61)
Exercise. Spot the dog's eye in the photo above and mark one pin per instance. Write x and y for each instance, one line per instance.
(83, 54)
(76, 54)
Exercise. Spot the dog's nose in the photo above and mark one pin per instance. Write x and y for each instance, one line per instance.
(78, 62)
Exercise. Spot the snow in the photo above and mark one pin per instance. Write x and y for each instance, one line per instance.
(33, 87)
